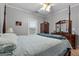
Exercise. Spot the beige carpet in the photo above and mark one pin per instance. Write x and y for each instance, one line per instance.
(75, 52)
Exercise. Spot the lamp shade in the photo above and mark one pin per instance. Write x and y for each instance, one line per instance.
(10, 30)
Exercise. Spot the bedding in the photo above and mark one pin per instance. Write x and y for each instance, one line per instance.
(7, 49)
(7, 43)
(8, 38)
(36, 45)
(52, 35)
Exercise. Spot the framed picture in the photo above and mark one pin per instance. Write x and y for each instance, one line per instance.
(18, 23)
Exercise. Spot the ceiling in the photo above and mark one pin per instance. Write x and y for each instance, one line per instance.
(34, 7)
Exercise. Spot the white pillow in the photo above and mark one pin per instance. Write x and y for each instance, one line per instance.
(8, 38)
(3, 40)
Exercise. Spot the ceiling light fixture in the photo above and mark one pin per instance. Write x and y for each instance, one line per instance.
(46, 7)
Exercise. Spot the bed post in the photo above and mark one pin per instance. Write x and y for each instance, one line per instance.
(69, 22)
(4, 21)
(68, 52)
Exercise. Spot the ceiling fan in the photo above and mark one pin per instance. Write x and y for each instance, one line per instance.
(46, 7)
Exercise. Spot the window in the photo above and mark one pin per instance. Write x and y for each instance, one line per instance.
(32, 25)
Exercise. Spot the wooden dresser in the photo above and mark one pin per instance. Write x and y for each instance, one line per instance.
(70, 37)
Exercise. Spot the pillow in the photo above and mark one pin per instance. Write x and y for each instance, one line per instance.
(8, 38)
(43, 34)
(52, 36)
(58, 36)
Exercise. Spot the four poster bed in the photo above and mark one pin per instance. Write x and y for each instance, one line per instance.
(33, 45)
(67, 32)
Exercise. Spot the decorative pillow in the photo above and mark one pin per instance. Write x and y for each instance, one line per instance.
(8, 38)
(52, 35)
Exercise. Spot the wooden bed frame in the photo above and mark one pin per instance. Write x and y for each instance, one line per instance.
(67, 34)
(68, 52)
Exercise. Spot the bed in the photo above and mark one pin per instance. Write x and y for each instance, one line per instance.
(33, 45)
(37, 45)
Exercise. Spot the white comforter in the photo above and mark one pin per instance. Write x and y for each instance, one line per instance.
(36, 45)
(7, 43)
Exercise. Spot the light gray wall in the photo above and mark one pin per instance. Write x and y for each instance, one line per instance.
(14, 14)
(63, 15)
(1, 16)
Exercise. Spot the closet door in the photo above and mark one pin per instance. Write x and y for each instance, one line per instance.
(46, 27)
(42, 28)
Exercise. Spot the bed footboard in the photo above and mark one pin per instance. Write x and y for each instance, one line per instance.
(68, 53)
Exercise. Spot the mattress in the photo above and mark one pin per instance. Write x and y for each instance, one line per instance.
(35, 45)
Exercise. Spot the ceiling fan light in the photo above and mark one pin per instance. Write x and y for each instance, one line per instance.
(45, 7)
(48, 8)
(42, 8)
